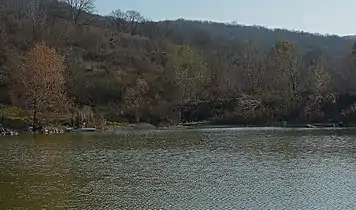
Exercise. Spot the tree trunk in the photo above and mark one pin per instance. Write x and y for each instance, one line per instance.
(34, 120)
(34, 124)
(137, 116)
(180, 113)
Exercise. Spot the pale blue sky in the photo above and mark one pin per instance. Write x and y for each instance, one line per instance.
(322, 16)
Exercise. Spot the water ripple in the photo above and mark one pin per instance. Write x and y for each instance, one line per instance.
(266, 168)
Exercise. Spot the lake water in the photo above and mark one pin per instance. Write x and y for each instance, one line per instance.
(256, 168)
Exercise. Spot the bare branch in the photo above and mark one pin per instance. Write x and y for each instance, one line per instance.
(79, 8)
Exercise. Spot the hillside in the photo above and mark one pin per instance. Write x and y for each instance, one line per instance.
(193, 32)
(351, 37)
(129, 69)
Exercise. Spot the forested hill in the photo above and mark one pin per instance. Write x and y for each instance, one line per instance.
(211, 33)
(127, 68)
(350, 37)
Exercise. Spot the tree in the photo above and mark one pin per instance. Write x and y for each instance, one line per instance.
(318, 78)
(249, 66)
(344, 75)
(136, 97)
(39, 83)
(190, 74)
(318, 83)
(349, 74)
(284, 74)
(79, 8)
(37, 14)
(128, 21)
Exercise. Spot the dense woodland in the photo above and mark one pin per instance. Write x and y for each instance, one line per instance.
(124, 67)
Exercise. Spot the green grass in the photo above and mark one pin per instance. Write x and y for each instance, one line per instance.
(14, 112)
(14, 117)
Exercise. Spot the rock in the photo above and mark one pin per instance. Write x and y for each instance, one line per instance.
(8, 132)
(52, 130)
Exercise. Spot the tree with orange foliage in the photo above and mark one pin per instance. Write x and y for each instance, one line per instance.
(39, 83)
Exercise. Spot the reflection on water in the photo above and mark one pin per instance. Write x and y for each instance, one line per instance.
(262, 168)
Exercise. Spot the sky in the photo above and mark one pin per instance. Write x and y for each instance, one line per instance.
(317, 16)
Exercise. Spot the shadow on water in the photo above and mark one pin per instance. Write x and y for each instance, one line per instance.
(253, 168)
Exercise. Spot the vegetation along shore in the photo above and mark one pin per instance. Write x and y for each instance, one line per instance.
(62, 65)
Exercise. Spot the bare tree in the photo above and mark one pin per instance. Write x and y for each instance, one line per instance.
(39, 83)
(318, 78)
(190, 74)
(284, 74)
(319, 81)
(79, 8)
(37, 14)
(135, 97)
(128, 20)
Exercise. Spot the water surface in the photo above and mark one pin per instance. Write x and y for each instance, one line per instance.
(262, 168)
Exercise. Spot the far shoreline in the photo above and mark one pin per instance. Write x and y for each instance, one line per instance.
(7, 131)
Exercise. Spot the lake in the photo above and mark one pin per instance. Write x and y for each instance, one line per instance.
(236, 168)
